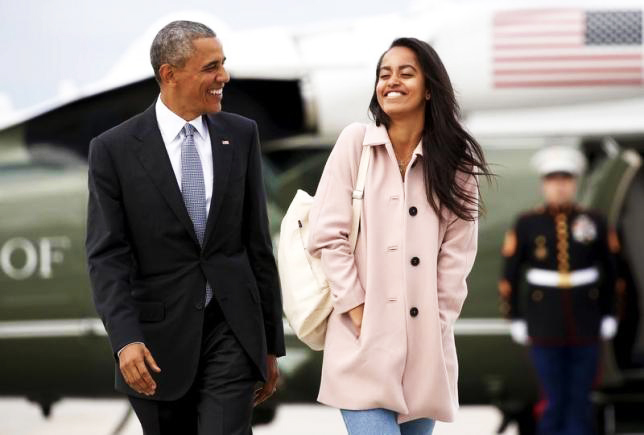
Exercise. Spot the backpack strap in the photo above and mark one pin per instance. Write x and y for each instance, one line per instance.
(358, 195)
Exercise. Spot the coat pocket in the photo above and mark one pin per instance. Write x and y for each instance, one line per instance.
(348, 325)
(151, 311)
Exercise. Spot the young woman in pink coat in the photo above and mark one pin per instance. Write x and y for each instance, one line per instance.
(389, 359)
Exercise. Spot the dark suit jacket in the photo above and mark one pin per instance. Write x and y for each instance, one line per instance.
(560, 315)
(147, 270)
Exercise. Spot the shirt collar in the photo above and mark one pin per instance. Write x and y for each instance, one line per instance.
(377, 135)
(171, 124)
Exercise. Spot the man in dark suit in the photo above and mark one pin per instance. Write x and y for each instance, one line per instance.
(179, 251)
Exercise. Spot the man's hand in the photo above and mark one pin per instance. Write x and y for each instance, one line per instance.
(134, 361)
(356, 317)
(270, 386)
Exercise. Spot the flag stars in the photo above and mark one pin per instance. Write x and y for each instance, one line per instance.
(623, 27)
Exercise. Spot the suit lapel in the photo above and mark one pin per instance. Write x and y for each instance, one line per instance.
(153, 156)
(222, 151)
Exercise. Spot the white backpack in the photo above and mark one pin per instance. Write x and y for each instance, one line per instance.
(305, 291)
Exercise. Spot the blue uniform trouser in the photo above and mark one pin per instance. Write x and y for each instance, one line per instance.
(566, 374)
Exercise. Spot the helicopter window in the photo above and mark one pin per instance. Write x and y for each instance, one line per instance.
(58, 135)
(68, 130)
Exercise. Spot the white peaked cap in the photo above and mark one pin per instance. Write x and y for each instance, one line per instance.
(559, 159)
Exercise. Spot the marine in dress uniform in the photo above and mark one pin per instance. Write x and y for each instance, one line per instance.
(566, 256)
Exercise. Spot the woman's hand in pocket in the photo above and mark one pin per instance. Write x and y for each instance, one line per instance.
(355, 314)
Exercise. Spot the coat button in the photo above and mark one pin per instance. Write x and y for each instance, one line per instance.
(413, 312)
(415, 261)
(199, 305)
(413, 211)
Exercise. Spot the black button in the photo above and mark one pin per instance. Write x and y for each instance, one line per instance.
(415, 261)
(199, 305)
(413, 312)
(413, 211)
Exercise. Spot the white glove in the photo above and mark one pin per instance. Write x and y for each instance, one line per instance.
(519, 331)
(608, 327)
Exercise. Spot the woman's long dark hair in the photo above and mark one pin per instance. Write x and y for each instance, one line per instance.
(447, 148)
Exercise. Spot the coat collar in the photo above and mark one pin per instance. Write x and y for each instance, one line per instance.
(150, 149)
(377, 135)
(559, 209)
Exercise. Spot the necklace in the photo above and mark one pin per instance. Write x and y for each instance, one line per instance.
(402, 165)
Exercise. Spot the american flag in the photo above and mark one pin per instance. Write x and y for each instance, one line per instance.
(542, 48)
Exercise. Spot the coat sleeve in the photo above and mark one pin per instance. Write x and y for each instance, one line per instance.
(608, 249)
(514, 258)
(260, 249)
(455, 260)
(330, 220)
(109, 255)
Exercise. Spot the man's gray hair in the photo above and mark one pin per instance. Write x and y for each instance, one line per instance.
(173, 44)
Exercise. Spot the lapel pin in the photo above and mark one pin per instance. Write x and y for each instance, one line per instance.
(225, 142)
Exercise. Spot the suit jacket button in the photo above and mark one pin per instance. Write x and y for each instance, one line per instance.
(413, 211)
(415, 261)
(199, 305)
(413, 312)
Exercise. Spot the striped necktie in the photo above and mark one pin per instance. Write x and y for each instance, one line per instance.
(193, 188)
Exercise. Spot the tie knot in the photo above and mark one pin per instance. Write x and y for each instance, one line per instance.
(189, 130)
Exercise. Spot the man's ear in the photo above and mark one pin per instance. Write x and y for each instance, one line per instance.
(166, 72)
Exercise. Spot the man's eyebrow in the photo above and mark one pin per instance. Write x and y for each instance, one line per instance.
(213, 63)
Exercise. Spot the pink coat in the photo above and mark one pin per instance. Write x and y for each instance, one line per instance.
(405, 358)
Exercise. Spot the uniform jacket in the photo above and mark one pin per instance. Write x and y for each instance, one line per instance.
(147, 270)
(561, 240)
(409, 270)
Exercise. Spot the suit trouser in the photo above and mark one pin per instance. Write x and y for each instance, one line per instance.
(566, 374)
(220, 400)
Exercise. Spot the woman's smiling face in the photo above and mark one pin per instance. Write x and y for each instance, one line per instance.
(401, 85)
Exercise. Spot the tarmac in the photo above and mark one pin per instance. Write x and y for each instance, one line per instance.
(101, 417)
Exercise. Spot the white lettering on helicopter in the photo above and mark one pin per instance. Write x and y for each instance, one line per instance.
(38, 256)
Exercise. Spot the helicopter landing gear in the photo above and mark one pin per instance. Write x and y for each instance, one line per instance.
(45, 403)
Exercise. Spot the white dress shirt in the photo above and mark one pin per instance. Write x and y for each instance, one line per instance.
(171, 125)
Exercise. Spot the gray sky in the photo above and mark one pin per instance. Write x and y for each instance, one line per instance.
(46, 42)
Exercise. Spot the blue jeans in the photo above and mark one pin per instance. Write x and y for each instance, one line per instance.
(566, 374)
(383, 422)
